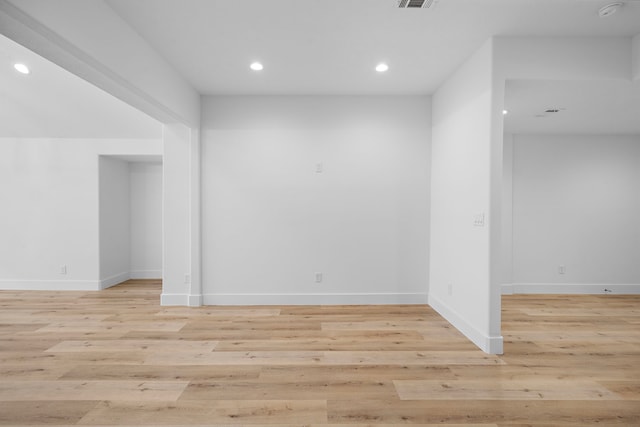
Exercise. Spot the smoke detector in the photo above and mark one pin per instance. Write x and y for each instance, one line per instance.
(416, 4)
(609, 9)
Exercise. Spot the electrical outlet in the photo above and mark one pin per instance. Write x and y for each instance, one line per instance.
(478, 220)
(318, 277)
(187, 279)
(63, 269)
(562, 269)
(319, 167)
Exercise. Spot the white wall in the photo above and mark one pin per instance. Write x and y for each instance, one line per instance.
(49, 215)
(506, 276)
(576, 203)
(114, 220)
(271, 220)
(146, 220)
(180, 213)
(459, 286)
(635, 57)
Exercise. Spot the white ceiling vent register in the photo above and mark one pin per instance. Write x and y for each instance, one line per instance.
(416, 4)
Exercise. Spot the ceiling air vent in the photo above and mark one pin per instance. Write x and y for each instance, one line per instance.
(416, 4)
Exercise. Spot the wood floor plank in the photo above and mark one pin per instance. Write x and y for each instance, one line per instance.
(292, 335)
(257, 358)
(12, 390)
(593, 361)
(382, 325)
(34, 372)
(369, 343)
(629, 389)
(548, 413)
(28, 317)
(8, 329)
(25, 345)
(497, 373)
(162, 373)
(40, 358)
(328, 357)
(221, 412)
(355, 373)
(48, 412)
(430, 358)
(593, 311)
(502, 390)
(265, 325)
(92, 326)
(132, 345)
(283, 390)
(223, 312)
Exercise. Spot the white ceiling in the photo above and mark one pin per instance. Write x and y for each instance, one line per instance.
(53, 103)
(332, 46)
(586, 107)
(324, 47)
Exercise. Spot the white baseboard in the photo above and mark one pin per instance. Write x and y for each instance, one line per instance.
(314, 299)
(145, 274)
(195, 300)
(488, 344)
(506, 289)
(571, 288)
(181, 299)
(174, 299)
(50, 285)
(64, 285)
(114, 280)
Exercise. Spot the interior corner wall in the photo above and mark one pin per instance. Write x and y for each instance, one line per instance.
(114, 221)
(315, 200)
(576, 205)
(506, 274)
(635, 57)
(146, 220)
(461, 179)
(49, 215)
(179, 227)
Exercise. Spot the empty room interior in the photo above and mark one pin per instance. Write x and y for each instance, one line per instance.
(320, 212)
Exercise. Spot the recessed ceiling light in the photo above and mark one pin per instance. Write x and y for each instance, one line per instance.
(609, 9)
(256, 66)
(21, 68)
(382, 67)
(505, 112)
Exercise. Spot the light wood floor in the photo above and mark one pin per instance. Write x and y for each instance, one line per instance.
(117, 358)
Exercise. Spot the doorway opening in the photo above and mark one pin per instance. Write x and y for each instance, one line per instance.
(571, 188)
(130, 218)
